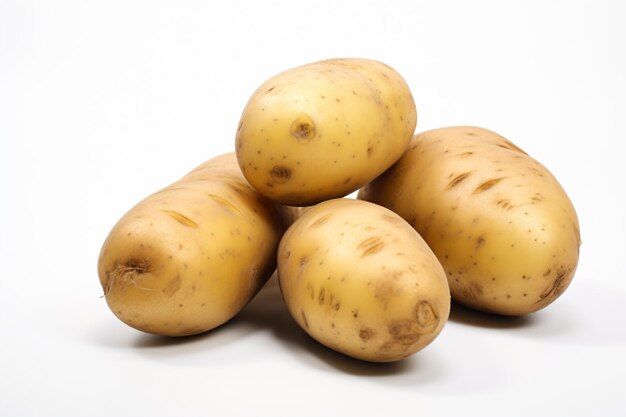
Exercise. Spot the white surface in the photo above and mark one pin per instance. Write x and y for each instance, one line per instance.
(102, 103)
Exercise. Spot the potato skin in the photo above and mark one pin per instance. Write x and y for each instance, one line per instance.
(360, 280)
(325, 129)
(189, 257)
(501, 225)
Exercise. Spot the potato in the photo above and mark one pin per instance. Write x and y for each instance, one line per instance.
(324, 129)
(360, 280)
(502, 226)
(189, 257)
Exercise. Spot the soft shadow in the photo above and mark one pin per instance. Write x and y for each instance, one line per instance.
(268, 311)
(587, 314)
(464, 315)
(110, 333)
(192, 349)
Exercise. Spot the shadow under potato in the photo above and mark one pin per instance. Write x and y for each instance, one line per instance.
(465, 315)
(269, 311)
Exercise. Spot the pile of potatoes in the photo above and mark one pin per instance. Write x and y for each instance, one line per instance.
(456, 212)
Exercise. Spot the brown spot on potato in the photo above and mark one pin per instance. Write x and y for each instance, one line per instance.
(556, 287)
(479, 242)
(476, 288)
(468, 294)
(505, 204)
(384, 291)
(466, 154)
(402, 333)
(366, 334)
(280, 174)
(303, 128)
(545, 274)
(320, 221)
(370, 246)
(457, 180)
(322, 296)
(425, 315)
(486, 185)
(511, 146)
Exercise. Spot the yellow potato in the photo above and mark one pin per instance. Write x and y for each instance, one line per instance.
(502, 226)
(360, 280)
(324, 129)
(189, 257)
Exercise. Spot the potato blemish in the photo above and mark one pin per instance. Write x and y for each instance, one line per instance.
(321, 220)
(486, 185)
(401, 332)
(457, 180)
(322, 296)
(557, 286)
(182, 219)
(370, 246)
(425, 315)
(511, 146)
(303, 128)
(366, 334)
(224, 203)
(304, 320)
(280, 174)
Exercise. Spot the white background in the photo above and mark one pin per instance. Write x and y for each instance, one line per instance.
(102, 103)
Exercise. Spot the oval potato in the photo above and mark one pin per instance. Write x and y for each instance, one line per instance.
(189, 257)
(360, 280)
(502, 226)
(324, 129)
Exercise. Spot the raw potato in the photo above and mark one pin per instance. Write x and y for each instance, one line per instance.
(502, 226)
(324, 129)
(360, 280)
(189, 257)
